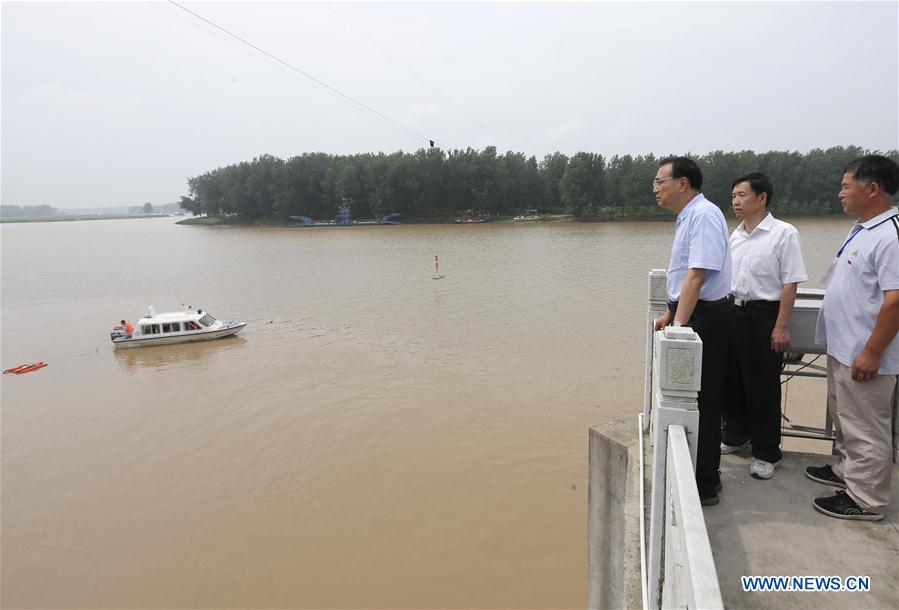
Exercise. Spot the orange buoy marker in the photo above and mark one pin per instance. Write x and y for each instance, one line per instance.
(25, 368)
(437, 275)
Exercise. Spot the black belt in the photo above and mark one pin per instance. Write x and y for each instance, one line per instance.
(748, 303)
(700, 304)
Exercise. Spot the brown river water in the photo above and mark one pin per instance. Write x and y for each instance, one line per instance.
(374, 438)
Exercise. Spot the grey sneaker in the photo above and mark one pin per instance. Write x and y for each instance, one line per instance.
(760, 469)
(826, 475)
(725, 449)
(842, 506)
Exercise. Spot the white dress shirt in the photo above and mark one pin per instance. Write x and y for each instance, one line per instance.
(765, 260)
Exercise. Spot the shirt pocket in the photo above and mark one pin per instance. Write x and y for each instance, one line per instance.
(860, 269)
(765, 266)
(680, 252)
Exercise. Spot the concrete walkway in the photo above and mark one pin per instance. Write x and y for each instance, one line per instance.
(769, 528)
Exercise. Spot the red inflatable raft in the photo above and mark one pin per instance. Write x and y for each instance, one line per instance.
(26, 368)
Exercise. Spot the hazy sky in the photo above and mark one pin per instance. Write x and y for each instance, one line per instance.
(119, 103)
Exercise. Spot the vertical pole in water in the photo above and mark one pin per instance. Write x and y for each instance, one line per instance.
(436, 265)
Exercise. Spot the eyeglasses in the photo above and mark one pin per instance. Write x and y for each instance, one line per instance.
(658, 181)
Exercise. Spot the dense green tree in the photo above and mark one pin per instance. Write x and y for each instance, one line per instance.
(582, 184)
(551, 170)
(432, 183)
(190, 205)
(13, 211)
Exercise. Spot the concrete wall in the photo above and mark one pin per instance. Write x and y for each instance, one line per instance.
(613, 520)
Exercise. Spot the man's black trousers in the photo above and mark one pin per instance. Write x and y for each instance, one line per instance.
(712, 322)
(752, 409)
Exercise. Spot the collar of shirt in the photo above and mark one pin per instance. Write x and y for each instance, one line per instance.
(880, 218)
(684, 213)
(765, 225)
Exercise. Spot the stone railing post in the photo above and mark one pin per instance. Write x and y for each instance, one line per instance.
(676, 375)
(658, 301)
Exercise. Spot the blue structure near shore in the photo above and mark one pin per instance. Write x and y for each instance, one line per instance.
(344, 219)
(344, 216)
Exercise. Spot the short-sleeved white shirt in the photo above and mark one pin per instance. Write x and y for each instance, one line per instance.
(700, 242)
(765, 260)
(868, 266)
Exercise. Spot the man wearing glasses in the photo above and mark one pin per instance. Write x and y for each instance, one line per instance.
(858, 321)
(699, 278)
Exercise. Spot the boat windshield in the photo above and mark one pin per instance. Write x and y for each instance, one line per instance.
(207, 320)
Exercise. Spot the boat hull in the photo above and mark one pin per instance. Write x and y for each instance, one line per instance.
(189, 337)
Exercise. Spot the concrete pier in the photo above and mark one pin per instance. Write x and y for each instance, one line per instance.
(770, 528)
(760, 528)
(683, 555)
(613, 531)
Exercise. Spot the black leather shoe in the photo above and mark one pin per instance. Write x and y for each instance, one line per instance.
(710, 497)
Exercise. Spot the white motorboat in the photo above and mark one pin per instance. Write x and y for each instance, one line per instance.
(531, 215)
(174, 327)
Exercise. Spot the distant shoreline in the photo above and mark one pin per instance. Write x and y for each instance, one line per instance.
(217, 221)
(548, 218)
(72, 217)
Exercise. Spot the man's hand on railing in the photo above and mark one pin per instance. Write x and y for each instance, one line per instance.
(662, 321)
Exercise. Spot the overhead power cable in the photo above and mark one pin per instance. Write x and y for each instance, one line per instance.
(305, 74)
(413, 73)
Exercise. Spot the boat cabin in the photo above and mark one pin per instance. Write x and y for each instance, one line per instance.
(159, 325)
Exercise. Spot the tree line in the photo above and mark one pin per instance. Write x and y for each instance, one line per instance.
(21, 211)
(437, 184)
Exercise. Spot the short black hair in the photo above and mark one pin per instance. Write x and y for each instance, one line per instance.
(876, 168)
(682, 167)
(759, 183)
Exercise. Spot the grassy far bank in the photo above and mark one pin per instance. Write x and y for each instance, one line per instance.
(613, 215)
(70, 218)
(233, 220)
(224, 220)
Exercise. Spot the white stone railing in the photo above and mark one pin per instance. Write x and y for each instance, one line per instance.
(677, 569)
(670, 563)
(676, 523)
(675, 515)
(690, 579)
(658, 302)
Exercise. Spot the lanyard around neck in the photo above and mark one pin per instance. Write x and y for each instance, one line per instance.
(855, 231)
